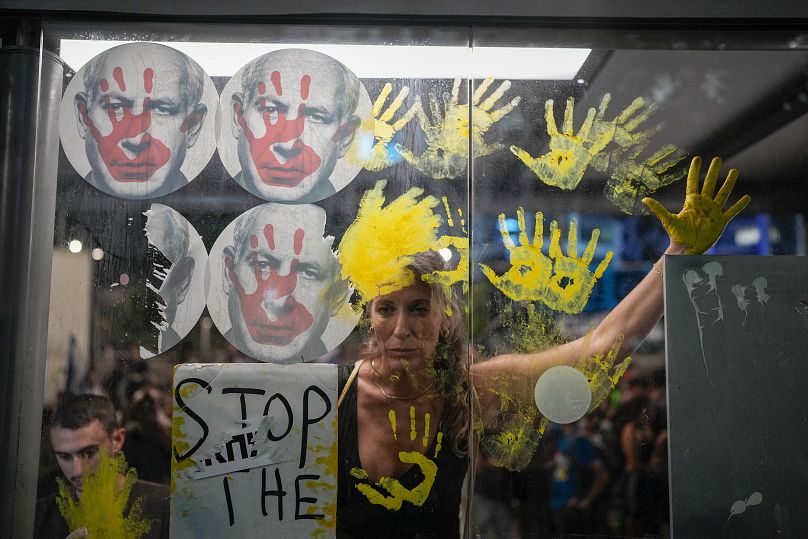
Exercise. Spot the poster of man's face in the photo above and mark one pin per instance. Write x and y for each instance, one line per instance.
(288, 120)
(276, 291)
(137, 120)
(176, 277)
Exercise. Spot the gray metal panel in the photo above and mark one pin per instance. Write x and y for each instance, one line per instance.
(737, 382)
(30, 88)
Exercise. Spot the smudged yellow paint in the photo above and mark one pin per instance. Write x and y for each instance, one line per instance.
(391, 415)
(329, 461)
(449, 220)
(447, 133)
(601, 372)
(378, 246)
(104, 498)
(398, 493)
(425, 441)
(413, 434)
(562, 282)
(631, 180)
(438, 445)
(460, 242)
(527, 329)
(571, 154)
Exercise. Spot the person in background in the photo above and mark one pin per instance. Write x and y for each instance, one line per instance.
(82, 428)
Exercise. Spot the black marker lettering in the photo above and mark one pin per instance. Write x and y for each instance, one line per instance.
(279, 492)
(307, 499)
(307, 421)
(229, 501)
(288, 415)
(243, 391)
(183, 407)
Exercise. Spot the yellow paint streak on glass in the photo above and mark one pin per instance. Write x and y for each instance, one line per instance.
(398, 493)
(602, 373)
(391, 415)
(449, 219)
(105, 495)
(447, 130)
(438, 445)
(330, 463)
(426, 430)
(378, 246)
(413, 434)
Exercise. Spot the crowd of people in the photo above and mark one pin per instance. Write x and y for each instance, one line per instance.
(605, 475)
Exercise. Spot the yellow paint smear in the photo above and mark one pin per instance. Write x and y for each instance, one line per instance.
(438, 445)
(398, 493)
(391, 415)
(105, 495)
(378, 246)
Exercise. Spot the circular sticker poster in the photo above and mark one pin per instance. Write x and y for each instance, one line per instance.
(291, 126)
(276, 291)
(137, 121)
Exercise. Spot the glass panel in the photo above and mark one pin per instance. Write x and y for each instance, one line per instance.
(157, 264)
(165, 254)
(579, 152)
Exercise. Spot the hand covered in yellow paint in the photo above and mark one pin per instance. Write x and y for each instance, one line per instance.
(562, 282)
(447, 134)
(398, 493)
(632, 180)
(384, 131)
(702, 219)
(602, 374)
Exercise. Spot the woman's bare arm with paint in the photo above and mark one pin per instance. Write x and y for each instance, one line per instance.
(693, 230)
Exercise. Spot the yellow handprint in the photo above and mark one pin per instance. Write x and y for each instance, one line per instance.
(561, 282)
(105, 496)
(622, 130)
(602, 374)
(398, 492)
(380, 154)
(701, 221)
(570, 155)
(460, 274)
(510, 437)
(447, 137)
(631, 180)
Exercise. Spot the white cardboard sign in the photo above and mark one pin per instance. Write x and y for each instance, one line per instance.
(255, 450)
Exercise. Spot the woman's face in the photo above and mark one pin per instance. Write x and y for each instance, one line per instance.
(406, 325)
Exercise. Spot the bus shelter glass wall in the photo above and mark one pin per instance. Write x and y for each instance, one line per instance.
(176, 208)
(214, 197)
(561, 235)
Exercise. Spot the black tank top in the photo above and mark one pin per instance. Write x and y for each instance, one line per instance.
(357, 517)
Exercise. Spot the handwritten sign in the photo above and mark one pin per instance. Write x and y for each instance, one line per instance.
(254, 451)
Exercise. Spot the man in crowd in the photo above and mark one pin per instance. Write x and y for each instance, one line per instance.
(283, 283)
(83, 428)
(139, 113)
(293, 119)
